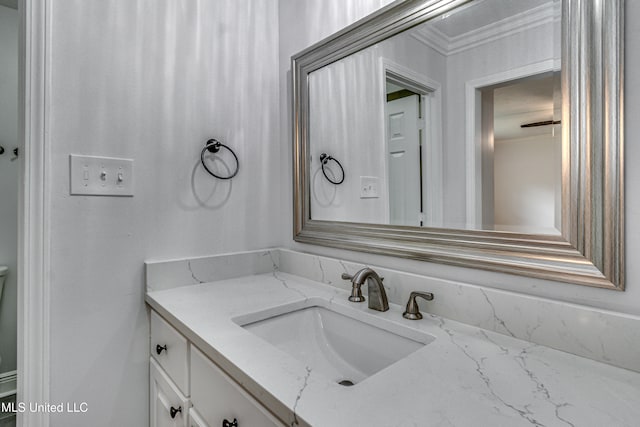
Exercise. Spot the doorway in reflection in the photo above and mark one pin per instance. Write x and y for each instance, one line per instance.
(403, 114)
(412, 140)
(522, 155)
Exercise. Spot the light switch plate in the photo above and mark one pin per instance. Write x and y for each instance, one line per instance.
(101, 176)
(369, 187)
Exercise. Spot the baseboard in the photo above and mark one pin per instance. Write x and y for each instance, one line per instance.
(8, 383)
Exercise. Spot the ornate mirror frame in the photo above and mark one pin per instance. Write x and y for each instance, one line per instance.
(590, 250)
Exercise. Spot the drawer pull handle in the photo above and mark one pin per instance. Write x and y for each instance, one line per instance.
(173, 411)
(159, 348)
(226, 423)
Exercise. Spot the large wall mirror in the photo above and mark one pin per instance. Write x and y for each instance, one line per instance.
(481, 133)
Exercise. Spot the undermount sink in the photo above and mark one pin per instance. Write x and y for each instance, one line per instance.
(345, 349)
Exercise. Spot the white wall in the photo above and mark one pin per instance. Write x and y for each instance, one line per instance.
(525, 174)
(151, 80)
(8, 182)
(304, 22)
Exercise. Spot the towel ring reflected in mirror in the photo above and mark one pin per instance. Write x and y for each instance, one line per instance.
(324, 159)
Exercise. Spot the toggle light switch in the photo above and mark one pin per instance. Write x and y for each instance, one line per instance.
(369, 187)
(101, 176)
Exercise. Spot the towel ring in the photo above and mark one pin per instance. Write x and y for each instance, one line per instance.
(324, 159)
(213, 146)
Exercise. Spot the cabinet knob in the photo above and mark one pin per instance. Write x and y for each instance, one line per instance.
(173, 411)
(226, 423)
(159, 348)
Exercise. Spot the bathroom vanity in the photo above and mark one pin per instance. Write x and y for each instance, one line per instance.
(232, 343)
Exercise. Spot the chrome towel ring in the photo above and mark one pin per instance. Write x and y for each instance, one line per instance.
(213, 146)
(324, 159)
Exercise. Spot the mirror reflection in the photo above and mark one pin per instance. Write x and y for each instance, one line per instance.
(9, 185)
(454, 123)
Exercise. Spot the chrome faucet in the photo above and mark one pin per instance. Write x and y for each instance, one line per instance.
(377, 295)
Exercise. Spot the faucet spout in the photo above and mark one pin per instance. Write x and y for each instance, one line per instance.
(377, 295)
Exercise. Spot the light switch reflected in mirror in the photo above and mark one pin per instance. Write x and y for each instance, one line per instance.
(457, 119)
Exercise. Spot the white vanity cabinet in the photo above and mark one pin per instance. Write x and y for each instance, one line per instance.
(189, 390)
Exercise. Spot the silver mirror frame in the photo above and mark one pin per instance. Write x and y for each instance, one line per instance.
(591, 248)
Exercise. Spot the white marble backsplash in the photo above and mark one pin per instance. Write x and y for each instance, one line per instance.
(601, 335)
(161, 275)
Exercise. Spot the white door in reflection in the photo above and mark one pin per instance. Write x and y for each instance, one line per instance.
(404, 159)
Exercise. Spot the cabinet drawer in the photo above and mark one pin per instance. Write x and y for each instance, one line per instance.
(171, 351)
(217, 397)
(167, 406)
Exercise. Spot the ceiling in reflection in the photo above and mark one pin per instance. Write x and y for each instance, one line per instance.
(481, 13)
(483, 20)
(527, 101)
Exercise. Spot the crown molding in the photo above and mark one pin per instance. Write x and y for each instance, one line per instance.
(524, 21)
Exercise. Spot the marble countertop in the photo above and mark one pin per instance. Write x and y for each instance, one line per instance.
(466, 377)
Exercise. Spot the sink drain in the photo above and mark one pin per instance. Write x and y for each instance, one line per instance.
(346, 383)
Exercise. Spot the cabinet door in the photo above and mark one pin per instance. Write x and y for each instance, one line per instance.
(217, 397)
(167, 406)
(195, 420)
(170, 350)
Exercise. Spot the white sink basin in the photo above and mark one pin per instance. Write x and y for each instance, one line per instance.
(340, 346)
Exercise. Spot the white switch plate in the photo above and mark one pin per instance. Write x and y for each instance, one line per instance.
(369, 187)
(101, 176)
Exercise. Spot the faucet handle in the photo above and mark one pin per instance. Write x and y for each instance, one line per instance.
(412, 311)
(356, 292)
(347, 276)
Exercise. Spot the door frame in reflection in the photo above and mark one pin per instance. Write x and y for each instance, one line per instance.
(473, 137)
(430, 92)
